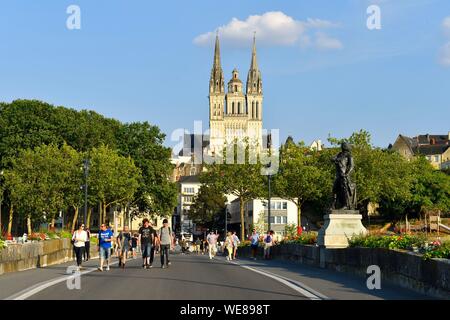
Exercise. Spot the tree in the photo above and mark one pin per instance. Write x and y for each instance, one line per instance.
(243, 180)
(143, 142)
(113, 179)
(300, 179)
(209, 205)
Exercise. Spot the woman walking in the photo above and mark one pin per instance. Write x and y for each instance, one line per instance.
(229, 245)
(79, 239)
(124, 244)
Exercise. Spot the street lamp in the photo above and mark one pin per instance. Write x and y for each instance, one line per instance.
(86, 164)
(269, 176)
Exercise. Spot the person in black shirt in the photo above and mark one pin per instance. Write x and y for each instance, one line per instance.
(146, 239)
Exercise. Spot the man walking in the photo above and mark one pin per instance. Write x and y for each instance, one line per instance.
(166, 243)
(212, 244)
(104, 246)
(146, 239)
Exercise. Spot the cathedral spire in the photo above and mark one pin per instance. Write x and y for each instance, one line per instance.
(254, 82)
(217, 63)
(216, 84)
(254, 63)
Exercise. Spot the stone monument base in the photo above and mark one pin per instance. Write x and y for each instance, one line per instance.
(339, 227)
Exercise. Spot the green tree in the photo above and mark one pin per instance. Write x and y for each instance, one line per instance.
(242, 177)
(209, 205)
(143, 142)
(300, 179)
(113, 179)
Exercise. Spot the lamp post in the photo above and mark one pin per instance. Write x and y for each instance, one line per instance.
(86, 164)
(269, 176)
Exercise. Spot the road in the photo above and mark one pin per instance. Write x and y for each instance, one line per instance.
(192, 277)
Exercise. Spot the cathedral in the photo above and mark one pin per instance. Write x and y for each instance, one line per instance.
(236, 113)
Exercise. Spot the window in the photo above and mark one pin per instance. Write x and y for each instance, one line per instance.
(188, 199)
(279, 204)
(189, 190)
(436, 158)
(239, 107)
(285, 220)
(235, 88)
(285, 205)
(232, 107)
(278, 219)
(272, 219)
(193, 171)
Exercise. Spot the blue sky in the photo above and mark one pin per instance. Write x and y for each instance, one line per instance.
(324, 72)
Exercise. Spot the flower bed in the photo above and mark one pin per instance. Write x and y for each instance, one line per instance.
(416, 243)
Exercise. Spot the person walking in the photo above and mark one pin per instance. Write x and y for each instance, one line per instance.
(166, 243)
(124, 244)
(87, 245)
(105, 237)
(134, 243)
(155, 245)
(79, 239)
(229, 244)
(254, 242)
(198, 244)
(212, 244)
(146, 239)
(202, 246)
(268, 241)
(236, 243)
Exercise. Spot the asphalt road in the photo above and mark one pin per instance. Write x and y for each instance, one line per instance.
(197, 278)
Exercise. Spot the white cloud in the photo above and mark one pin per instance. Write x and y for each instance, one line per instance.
(444, 58)
(272, 28)
(325, 42)
(446, 25)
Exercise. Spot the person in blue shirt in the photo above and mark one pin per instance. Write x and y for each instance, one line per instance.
(254, 239)
(105, 236)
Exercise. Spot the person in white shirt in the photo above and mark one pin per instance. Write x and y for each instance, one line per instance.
(79, 239)
(212, 244)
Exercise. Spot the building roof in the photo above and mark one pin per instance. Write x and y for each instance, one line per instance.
(189, 179)
(429, 150)
(427, 144)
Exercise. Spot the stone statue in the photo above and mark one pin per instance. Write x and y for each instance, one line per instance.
(344, 191)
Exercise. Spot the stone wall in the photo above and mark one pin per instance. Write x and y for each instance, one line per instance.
(403, 268)
(19, 257)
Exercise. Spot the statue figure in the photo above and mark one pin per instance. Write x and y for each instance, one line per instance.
(344, 191)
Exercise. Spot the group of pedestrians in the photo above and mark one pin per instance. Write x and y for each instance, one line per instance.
(268, 241)
(149, 239)
(231, 245)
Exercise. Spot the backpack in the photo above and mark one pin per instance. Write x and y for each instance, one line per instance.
(268, 239)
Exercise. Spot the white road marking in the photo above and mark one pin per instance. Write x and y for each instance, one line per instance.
(26, 293)
(293, 284)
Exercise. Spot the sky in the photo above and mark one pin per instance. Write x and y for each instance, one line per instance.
(324, 71)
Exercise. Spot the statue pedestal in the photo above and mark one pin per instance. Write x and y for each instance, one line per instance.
(339, 227)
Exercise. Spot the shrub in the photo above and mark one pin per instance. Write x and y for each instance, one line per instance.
(36, 236)
(2, 244)
(65, 235)
(437, 250)
(404, 241)
(94, 241)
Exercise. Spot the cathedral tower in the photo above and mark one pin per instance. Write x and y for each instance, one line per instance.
(238, 113)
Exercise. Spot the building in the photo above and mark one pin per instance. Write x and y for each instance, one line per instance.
(282, 213)
(237, 113)
(436, 148)
(188, 187)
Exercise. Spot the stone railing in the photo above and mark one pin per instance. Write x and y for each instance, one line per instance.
(19, 257)
(403, 268)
